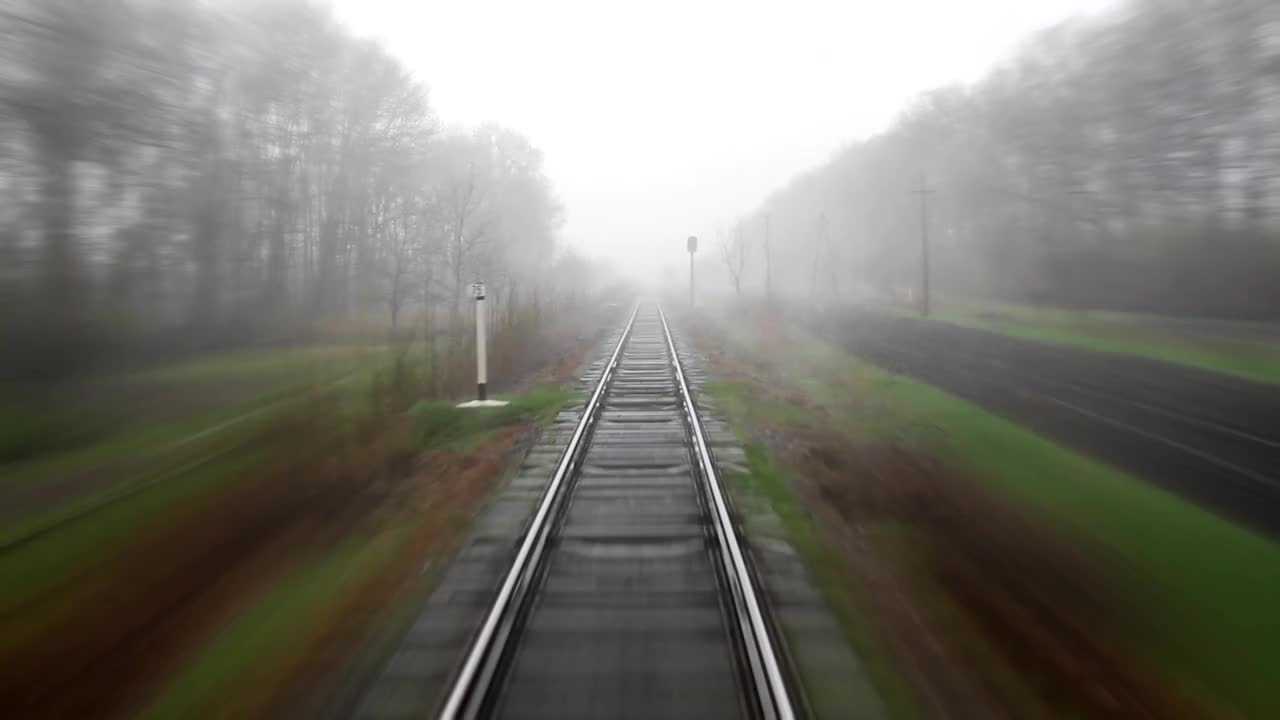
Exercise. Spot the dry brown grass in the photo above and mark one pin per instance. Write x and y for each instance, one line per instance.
(109, 633)
(446, 488)
(112, 637)
(982, 610)
(1035, 599)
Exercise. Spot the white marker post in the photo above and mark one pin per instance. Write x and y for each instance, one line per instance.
(482, 360)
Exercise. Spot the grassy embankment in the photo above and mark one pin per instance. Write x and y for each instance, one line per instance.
(290, 619)
(1197, 591)
(69, 450)
(1237, 349)
(97, 464)
(110, 482)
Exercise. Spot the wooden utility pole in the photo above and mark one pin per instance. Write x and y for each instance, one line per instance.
(924, 192)
(692, 246)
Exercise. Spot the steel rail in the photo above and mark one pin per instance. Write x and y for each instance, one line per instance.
(470, 687)
(771, 691)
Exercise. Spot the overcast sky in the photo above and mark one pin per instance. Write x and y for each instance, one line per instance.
(663, 119)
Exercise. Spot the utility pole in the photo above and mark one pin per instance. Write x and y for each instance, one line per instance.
(693, 248)
(924, 192)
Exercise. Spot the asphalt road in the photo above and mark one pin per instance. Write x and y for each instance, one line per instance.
(1238, 330)
(1210, 438)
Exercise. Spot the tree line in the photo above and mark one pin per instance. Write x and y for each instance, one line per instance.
(1129, 161)
(210, 173)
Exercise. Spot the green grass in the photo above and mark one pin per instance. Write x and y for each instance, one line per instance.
(196, 411)
(134, 480)
(135, 442)
(1209, 589)
(812, 383)
(1125, 334)
(146, 472)
(239, 667)
(745, 403)
(440, 422)
(255, 364)
(359, 671)
(30, 569)
(270, 633)
(765, 482)
(201, 470)
(103, 415)
(156, 466)
(30, 428)
(1206, 589)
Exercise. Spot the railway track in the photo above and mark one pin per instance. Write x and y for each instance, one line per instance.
(630, 594)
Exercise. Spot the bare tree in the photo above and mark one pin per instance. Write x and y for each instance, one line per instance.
(1128, 160)
(734, 252)
(220, 171)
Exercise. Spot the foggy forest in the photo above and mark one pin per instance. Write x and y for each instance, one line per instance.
(384, 359)
(1127, 161)
(200, 175)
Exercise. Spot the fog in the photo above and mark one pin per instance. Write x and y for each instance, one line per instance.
(668, 119)
(210, 174)
(983, 351)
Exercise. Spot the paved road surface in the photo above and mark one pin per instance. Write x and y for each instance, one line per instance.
(1212, 438)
